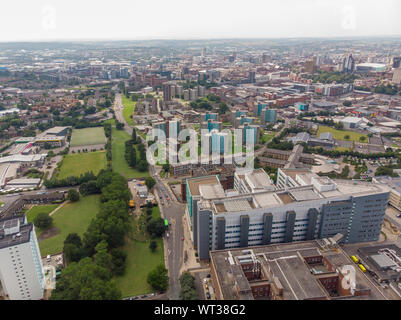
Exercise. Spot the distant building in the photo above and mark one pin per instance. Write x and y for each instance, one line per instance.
(351, 122)
(348, 65)
(209, 116)
(250, 132)
(397, 76)
(167, 94)
(310, 66)
(212, 125)
(193, 94)
(268, 116)
(396, 62)
(302, 106)
(201, 91)
(370, 67)
(252, 76)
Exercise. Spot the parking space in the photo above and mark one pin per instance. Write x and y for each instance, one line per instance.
(142, 297)
(204, 285)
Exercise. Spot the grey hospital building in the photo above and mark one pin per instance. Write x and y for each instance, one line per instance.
(302, 206)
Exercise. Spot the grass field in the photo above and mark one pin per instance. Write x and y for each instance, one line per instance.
(35, 210)
(75, 164)
(111, 121)
(341, 149)
(88, 136)
(129, 108)
(340, 134)
(267, 137)
(73, 217)
(120, 165)
(140, 260)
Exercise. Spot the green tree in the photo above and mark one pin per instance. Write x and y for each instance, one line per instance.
(134, 135)
(73, 238)
(89, 187)
(363, 138)
(150, 182)
(156, 227)
(43, 220)
(102, 257)
(158, 278)
(347, 137)
(72, 253)
(73, 248)
(73, 195)
(142, 166)
(118, 257)
(85, 280)
(153, 245)
(187, 284)
(223, 108)
(347, 103)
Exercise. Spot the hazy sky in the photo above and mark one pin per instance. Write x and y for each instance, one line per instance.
(23, 20)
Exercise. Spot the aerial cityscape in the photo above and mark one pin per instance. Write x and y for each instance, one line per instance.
(187, 168)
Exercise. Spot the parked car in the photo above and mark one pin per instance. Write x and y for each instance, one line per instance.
(208, 295)
(399, 215)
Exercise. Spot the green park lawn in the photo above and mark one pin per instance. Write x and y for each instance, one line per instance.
(129, 108)
(340, 134)
(73, 217)
(75, 164)
(342, 149)
(120, 165)
(140, 260)
(88, 136)
(35, 210)
(111, 121)
(267, 137)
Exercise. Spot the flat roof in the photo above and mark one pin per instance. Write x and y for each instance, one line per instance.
(285, 262)
(195, 183)
(383, 261)
(23, 233)
(56, 130)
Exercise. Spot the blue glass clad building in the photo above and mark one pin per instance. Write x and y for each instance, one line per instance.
(210, 116)
(270, 115)
(174, 128)
(161, 126)
(246, 120)
(261, 106)
(217, 143)
(303, 106)
(250, 133)
(213, 126)
(239, 113)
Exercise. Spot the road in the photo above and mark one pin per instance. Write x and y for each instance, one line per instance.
(13, 196)
(173, 211)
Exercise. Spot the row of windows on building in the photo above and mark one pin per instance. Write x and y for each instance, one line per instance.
(20, 274)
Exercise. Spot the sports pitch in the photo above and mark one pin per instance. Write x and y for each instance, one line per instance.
(87, 137)
(75, 164)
